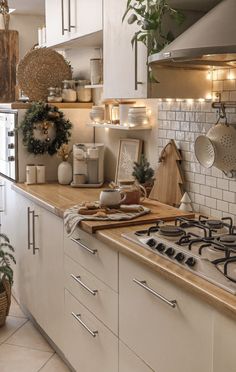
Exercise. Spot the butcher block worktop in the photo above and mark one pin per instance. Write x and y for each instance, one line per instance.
(57, 198)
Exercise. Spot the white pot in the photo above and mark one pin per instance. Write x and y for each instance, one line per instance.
(64, 173)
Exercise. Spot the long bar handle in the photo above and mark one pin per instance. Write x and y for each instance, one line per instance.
(34, 217)
(136, 82)
(63, 18)
(78, 280)
(2, 208)
(77, 241)
(78, 318)
(70, 25)
(143, 284)
(29, 212)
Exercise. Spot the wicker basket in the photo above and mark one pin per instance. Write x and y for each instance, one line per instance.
(5, 301)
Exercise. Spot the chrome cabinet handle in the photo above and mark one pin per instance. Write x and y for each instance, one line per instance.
(70, 25)
(78, 280)
(77, 241)
(34, 217)
(143, 284)
(63, 18)
(78, 318)
(2, 208)
(136, 82)
(29, 212)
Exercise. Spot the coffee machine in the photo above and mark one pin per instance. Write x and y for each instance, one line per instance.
(88, 165)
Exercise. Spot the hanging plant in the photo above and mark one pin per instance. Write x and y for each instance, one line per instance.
(44, 129)
(150, 15)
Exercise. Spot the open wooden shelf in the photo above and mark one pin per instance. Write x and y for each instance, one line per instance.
(63, 105)
(119, 127)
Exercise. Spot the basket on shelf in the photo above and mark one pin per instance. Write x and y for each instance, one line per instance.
(5, 301)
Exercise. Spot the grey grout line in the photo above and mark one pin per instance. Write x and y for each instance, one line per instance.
(26, 320)
(30, 348)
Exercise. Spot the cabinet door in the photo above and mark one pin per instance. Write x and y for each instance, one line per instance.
(224, 343)
(168, 339)
(7, 208)
(57, 21)
(51, 276)
(119, 57)
(86, 16)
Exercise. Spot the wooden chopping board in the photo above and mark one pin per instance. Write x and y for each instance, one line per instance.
(168, 185)
(9, 58)
(158, 211)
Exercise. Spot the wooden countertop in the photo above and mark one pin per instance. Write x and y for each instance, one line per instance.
(57, 198)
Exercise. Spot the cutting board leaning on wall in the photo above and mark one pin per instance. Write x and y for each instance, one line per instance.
(168, 185)
(9, 58)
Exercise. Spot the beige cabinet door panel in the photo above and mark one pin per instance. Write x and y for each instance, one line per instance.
(90, 346)
(168, 339)
(94, 256)
(129, 362)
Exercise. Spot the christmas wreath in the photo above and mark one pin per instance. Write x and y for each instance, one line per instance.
(44, 129)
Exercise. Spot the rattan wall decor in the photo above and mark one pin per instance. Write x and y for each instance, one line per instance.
(40, 69)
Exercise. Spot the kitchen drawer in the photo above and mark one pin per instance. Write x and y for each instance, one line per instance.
(100, 299)
(94, 256)
(168, 339)
(97, 352)
(129, 362)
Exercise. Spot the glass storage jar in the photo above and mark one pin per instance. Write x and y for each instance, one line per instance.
(69, 93)
(83, 94)
(54, 94)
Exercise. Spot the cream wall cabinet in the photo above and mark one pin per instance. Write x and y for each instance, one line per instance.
(67, 20)
(125, 69)
(169, 339)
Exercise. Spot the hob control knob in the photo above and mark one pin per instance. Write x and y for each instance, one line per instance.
(190, 262)
(170, 252)
(151, 243)
(160, 247)
(180, 257)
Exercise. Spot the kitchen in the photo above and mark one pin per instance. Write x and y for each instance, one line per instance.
(129, 288)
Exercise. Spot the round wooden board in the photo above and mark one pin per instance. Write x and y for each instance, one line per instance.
(40, 69)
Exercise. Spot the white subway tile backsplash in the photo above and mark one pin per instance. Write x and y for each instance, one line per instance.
(210, 190)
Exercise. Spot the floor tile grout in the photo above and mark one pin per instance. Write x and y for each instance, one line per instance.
(30, 348)
(46, 362)
(26, 320)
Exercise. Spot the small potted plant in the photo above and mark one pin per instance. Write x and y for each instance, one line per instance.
(6, 276)
(143, 173)
(64, 168)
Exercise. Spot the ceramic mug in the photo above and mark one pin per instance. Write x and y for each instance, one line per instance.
(112, 198)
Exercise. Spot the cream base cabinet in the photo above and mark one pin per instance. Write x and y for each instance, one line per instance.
(39, 269)
(168, 339)
(224, 343)
(125, 72)
(129, 362)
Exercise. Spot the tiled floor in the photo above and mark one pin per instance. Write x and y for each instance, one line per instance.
(23, 349)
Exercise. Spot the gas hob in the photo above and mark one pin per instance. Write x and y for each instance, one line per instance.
(205, 247)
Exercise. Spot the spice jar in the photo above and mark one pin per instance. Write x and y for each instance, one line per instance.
(69, 93)
(84, 94)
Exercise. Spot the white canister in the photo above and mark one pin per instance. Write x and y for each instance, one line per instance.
(30, 174)
(93, 153)
(95, 71)
(40, 170)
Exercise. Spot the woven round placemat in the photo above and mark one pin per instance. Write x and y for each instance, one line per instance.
(41, 69)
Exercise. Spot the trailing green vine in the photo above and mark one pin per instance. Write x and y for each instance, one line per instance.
(44, 129)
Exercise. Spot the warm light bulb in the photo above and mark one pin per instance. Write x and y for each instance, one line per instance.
(231, 76)
(209, 96)
(189, 100)
(201, 100)
(169, 99)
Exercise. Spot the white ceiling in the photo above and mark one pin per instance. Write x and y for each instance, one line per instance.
(28, 6)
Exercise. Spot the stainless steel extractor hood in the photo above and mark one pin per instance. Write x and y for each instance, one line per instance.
(211, 41)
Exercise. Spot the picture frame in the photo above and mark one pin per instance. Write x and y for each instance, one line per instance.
(129, 152)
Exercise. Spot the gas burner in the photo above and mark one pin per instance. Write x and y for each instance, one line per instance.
(225, 222)
(228, 240)
(170, 230)
(215, 224)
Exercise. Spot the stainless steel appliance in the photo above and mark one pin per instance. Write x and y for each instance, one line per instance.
(205, 247)
(88, 165)
(8, 143)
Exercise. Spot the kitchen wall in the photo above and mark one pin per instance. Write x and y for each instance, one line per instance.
(210, 190)
(27, 26)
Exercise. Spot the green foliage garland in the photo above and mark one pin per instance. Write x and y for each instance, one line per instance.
(45, 115)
